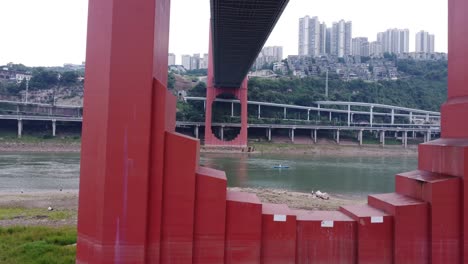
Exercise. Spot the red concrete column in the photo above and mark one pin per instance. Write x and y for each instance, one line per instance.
(210, 217)
(180, 164)
(444, 194)
(121, 54)
(164, 107)
(243, 228)
(325, 237)
(374, 234)
(211, 94)
(411, 226)
(278, 234)
(456, 107)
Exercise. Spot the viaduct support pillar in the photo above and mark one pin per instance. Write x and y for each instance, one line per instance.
(54, 127)
(196, 131)
(393, 117)
(338, 136)
(221, 133)
(349, 115)
(292, 135)
(20, 128)
(360, 137)
(269, 133)
(382, 138)
(405, 139)
(315, 136)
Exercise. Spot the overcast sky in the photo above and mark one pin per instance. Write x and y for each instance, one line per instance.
(53, 32)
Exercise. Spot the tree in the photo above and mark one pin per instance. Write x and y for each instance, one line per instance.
(171, 80)
(69, 77)
(43, 79)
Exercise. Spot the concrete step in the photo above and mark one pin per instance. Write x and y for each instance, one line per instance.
(210, 216)
(449, 157)
(411, 226)
(243, 228)
(374, 233)
(443, 193)
(278, 234)
(180, 163)
(325, 237)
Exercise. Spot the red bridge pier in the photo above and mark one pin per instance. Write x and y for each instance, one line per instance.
(145, 199)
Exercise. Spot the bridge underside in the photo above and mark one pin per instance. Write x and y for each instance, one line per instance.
(239, 30)
(145, 199)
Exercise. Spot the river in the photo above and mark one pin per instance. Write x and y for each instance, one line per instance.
(354, 176)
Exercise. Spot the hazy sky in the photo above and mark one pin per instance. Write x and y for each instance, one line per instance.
(53, 32)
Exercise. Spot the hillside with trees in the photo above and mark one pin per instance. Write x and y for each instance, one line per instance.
(422, 85)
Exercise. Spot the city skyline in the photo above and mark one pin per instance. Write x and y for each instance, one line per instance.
(58, 32)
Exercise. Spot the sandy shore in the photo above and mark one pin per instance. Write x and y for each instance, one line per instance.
(68, 201)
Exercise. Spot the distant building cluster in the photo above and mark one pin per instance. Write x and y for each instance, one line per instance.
(354, 67)
(189, 62)
(315, 39)
(347, 68)
(11, 75)
(268, 56)
(425, 42)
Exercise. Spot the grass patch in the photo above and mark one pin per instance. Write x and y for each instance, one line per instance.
(34, 213)
(7, 136)
(40, 245)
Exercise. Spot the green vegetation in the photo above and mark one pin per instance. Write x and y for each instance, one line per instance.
(40, 245)
(38, 137)
(34, 213)
(422, 85)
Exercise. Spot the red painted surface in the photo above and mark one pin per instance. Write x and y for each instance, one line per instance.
(411, 226)
(180, 163)
(374, 234)
(444, 195)
(114, 179)
(211, 94)
(450, 157)
(140, 201)
(243, 228)
(278, 234)
(162, 121)
(323, 245)
(210, 216)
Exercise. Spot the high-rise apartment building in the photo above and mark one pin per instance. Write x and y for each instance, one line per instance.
(323, 39)
(309, 36)
(360, 47)
(171, 59)
(195, 62)
(340, 38)
(394, 40)
(375, 49)
(187, 62)
(425, 42)
(204, 61)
